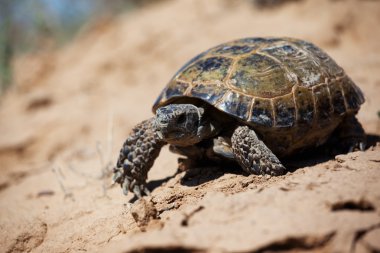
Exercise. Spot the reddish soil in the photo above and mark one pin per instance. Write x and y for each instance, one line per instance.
(69, 111)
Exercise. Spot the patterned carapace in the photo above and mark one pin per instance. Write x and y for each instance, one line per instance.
(268, 82)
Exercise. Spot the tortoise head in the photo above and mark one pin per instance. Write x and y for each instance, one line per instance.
(180, 124)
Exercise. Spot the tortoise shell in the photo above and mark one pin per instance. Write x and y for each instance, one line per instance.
(267, 82)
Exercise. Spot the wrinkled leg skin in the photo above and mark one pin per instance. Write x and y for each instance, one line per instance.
(351, 135)
(253, 155)
(136, 158)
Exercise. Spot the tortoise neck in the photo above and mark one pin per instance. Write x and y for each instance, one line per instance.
(209, 126)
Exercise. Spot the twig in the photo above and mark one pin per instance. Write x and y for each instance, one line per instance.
(59, 175)
(105, 155)
(80, 173)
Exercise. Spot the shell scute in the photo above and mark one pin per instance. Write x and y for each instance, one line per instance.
(208, 92)
(207, 69)
(261, 76)
(323, 106)
(327, 64)
(188, 63)
(337, 98)
(232, 49)
(236, 104)
(299, 62)
(284, 108)
(262, 112)
(284, 50)
(174, 89)
(304, 105)
(353, 96)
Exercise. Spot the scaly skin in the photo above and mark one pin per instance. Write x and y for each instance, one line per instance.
(147, 138)
(136, 158)
(351, 135)
(253, 155)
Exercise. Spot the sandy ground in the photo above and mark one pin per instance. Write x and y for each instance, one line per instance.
(69, 111)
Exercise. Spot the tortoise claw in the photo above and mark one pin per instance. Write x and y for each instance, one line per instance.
(131, 185)
(137, 191)
(147, 192)
(125, 185)
(117, 177)
(362, 146)
(141, 190)
(357, 145)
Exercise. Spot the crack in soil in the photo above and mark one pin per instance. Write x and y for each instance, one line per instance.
(173, 249)
(361, 205)
(360, 234)
(308, 242)
(186, 219)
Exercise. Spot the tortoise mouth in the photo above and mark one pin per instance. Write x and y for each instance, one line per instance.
(172, 137)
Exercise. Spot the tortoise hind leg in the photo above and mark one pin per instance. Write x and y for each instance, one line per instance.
(193, 154)
(210, 152)
(253, 155)
(351, 135)
(204, 153)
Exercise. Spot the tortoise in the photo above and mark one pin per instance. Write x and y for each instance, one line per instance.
(251, 100)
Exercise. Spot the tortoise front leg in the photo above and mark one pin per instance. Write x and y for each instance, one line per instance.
(136, 158)
(253, 155)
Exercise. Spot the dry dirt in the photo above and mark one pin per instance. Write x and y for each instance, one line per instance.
(69, 111)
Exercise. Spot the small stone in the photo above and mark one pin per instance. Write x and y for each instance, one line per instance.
(143, 211)
(340, 159)
(117, 177)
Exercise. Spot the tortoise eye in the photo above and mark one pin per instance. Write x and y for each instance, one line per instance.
(181, 119)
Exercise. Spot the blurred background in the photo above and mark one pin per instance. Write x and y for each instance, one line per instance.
(32, 25)
(77, 75)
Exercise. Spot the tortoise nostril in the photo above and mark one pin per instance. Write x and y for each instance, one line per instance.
(181, 119)
(163, 121)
